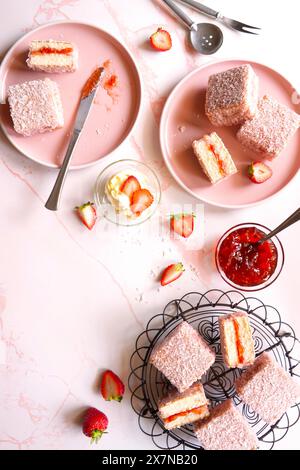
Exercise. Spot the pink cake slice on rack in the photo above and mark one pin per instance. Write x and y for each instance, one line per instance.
(269, 132)
(232, 96)
(268, 389)
(225, 429)
(183, 356)
(52, 56)
(35, 106)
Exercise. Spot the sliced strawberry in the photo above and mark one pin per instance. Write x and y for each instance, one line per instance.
(183, 224)
(259, 172)
(94, 424)
(112, 387)
(171, 273)
(87, 214)
(141, 200)
(161, 40)
(130, 185)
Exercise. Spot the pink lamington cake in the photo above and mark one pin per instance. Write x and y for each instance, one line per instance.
(183, 356)
(268, 389)
(232, 96)
(35, 106)
(225, 429)
(270, 130)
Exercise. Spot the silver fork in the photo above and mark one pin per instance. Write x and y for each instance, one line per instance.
(237, 25)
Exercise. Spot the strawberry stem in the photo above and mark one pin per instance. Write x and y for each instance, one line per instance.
(96, 435)
(179, 267)
(182, 214)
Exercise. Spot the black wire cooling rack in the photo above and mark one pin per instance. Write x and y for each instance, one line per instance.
(202, 311)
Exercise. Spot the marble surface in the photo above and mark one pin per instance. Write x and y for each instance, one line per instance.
(72, 301)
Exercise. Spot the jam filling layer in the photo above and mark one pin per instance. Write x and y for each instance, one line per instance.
(220, 162)
(198, 410)
(239, 346)
(50, 50)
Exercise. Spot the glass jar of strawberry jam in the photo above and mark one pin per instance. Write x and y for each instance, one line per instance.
(245, 264)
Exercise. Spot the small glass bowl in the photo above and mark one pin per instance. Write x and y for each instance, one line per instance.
(280, 258)
(105, 206)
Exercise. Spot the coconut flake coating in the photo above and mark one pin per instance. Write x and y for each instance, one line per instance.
(183, 356)
(225, 429)
(268, 389)
(270, 130)
(35, 107)
(232, 96)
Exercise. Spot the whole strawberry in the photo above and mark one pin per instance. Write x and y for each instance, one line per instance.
(112, 387)
(94, 424)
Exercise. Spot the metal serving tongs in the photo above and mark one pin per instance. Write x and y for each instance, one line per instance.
(237, 25)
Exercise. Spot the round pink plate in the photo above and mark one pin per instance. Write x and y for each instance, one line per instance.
(114, 111)
(184, 120)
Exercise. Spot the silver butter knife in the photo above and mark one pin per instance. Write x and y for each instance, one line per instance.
(87, 97)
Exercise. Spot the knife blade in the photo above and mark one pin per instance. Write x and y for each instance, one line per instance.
(87, 96)
(86, 99)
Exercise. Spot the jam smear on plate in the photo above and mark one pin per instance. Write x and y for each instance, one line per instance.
(244, 262)
(111, 82)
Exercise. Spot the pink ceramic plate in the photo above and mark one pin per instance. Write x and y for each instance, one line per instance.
(114, 111)
(184, 120)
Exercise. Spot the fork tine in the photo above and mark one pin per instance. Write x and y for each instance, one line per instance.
(249, 32)
(250, 27)
(239, 26)
(243, 25)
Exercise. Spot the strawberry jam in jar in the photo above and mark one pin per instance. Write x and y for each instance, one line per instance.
(246, 264)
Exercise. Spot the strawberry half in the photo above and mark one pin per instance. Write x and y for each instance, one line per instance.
(87, 214)
(112, 387)
(94, 424)
(130, 185)
(161, 40)
(171, 273)
(141, 200)
(259, 172)
(183, 224)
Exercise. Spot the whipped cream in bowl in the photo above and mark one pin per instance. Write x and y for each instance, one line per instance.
(117, 197)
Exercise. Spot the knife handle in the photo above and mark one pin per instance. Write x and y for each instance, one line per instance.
(54, 198)
(180, 13)
(202, 8)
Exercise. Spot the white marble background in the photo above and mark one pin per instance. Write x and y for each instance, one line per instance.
(72, 302)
